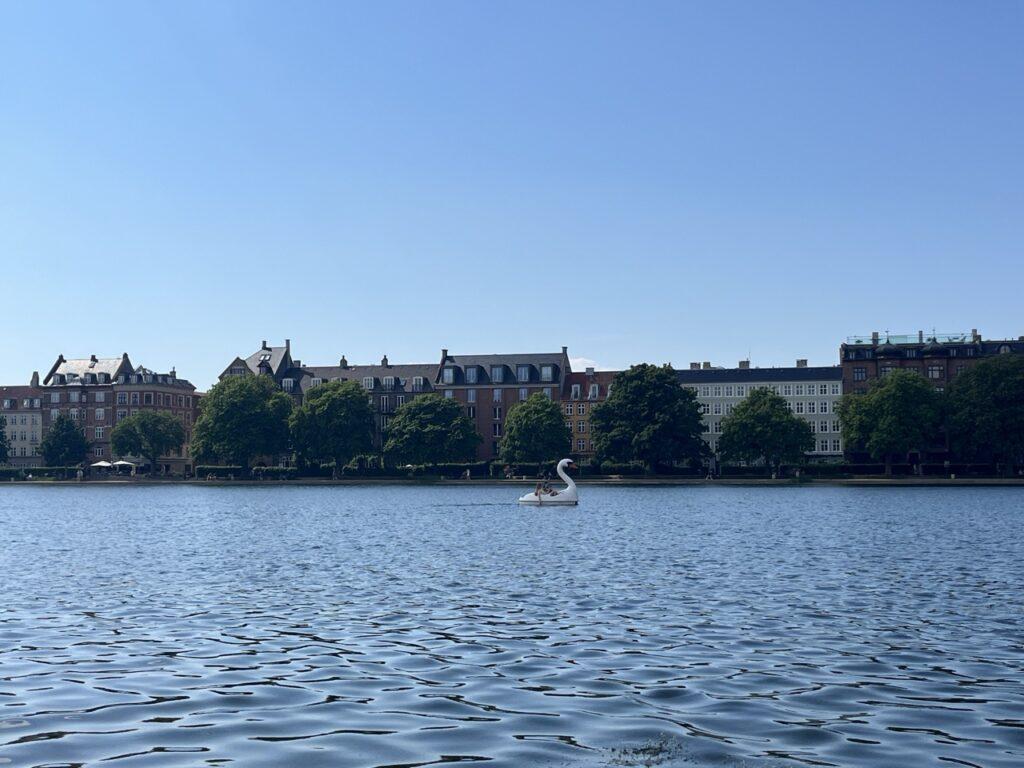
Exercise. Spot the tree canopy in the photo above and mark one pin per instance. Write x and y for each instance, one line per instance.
(241, 418)
(649, 417)
(898, 414)
(64, 444)
(535, 432)
(5, 446)
(334, 423)
(430, 429)
(986, 412)
(150, 434)
(762, 428)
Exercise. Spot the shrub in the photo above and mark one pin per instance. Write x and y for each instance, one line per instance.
(220, 472)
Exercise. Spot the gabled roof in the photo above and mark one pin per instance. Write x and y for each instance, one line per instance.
(276, 357)
(76, 369)
(747, 375)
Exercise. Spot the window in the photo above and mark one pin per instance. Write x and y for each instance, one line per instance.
(575, 392)
(789, 406)
(101, 414)
(799, 407)
(823, 446)
(835, 389)
(471, 411)
(837, 446)
(1004, 349)
(718, 427)
(581, 445)
(122, 414)
(740, 391)
(705, 391)
(122, 398)
(886, 370)
(97, 451)
(448, 394)
(581, 408)
(147, 397)
(705, 408)
(495, 395)
(934, 371)
(813, 425)
(823, 389)
(471, 374)
(799, 389)
(399, 401)
(73, 413)
(728, 390)
(98, 431)
(496, 412)
(496, 429)
(389, 382)
(728, 408)
(823, 406)
(718, 390)
(385, 403)
(823, 426)
(547, 373)
(417, 383)
(316, 381)
(470, 395)
(568, 409)
(135, 398)
(522, 394)
(522, 373)
(581, 426)
(548, 393)
(568, 425)
(367, 382)
(74, 396)
(384, 422)
(860, 373)
(55, 397)
(447, 375)
(100, 397)
(497, 374)
(594, 391)
(717, 409)
(787, 389)
(707, 427)
(836, 427)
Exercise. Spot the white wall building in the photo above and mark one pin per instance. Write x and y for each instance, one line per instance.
(20, 409)
(811, 393)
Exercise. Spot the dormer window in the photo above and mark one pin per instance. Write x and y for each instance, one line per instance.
(575, 391)
(264, 358)
(471, 374)
(367, 382)
(522, 373)
(497, 374)
(594, 389)
(316, 381)
(417, 383)
(389, 382)
(447, 375)
(287, 384)
(1004, 349)
(547, 373)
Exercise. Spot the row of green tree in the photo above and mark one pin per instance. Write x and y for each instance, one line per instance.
(647, 418)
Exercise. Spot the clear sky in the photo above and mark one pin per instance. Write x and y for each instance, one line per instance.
(640, 181)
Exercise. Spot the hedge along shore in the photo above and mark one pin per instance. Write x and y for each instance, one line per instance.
(874, 482)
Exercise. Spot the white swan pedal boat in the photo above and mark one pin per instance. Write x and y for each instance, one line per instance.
(564, 497)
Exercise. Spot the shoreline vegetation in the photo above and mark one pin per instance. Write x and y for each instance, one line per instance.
(908, 481)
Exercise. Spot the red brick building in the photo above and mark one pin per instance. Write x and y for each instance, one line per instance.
(581, 392)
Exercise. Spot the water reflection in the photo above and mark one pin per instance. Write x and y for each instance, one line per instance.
(407, 626)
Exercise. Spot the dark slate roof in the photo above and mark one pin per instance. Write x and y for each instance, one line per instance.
(745, 375)
(275, 358)
(76, 369)
(485, 362)
(401, 372)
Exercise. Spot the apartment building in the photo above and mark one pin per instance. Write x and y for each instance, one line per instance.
(939, 357)
(813, 393)
(21, 412)
(581, 393)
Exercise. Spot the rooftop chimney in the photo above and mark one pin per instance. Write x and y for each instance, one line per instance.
(874, 338)
(343, 362)
(35, 379)
(744, 365)
(287, 345)
(174, 373)
(92, 358)
(384, 361)
(694, 366)
(975, 336)
(801, 363)
(920, 337)
(444, 355)
(590, 371)
(263, 344)
(297, 363)
(565, 349)
(707, 365)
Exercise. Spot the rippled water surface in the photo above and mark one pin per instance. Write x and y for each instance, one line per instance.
(186, 626)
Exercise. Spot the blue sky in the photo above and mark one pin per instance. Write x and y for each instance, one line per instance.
(639, 181)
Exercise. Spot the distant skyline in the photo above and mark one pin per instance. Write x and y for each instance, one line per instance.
(656, 182)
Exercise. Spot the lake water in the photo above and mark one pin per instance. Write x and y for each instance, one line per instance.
(391, 626)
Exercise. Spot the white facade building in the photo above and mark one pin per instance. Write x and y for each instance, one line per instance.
(811, 393)
(20, 410)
